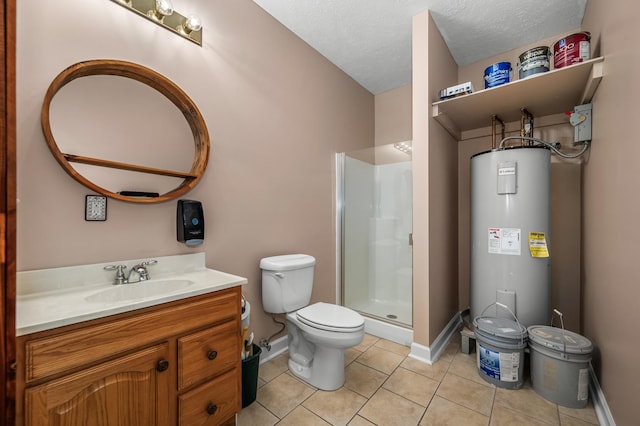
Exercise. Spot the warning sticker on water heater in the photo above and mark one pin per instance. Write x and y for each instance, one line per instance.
(504, 241)
(538, 244)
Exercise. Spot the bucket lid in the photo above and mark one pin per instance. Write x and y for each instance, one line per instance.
(559, 339)
(500, 327)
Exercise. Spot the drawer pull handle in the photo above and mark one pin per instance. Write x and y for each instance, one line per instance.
(162, 365)
(212, 408)
(211, 354)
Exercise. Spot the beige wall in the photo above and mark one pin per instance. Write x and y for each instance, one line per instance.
(420, 158)
(276, 111)
(435, 262)
(443, 200)
(393, 116)
(610, 210)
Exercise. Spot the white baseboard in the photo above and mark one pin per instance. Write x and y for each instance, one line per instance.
(599, 402)
(384, 330)
(278, 346)
(421, 353)
(430, 354)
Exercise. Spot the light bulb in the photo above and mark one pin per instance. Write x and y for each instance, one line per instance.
(192, 23)
(163, 8)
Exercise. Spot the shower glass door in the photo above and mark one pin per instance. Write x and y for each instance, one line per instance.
(376, 233)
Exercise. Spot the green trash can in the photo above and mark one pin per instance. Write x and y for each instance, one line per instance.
(250, 376)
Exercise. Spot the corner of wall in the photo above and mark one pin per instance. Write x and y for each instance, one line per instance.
(434, 186)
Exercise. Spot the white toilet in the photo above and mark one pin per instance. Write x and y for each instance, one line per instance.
(318, 333)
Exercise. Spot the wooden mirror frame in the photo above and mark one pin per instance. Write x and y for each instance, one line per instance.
(154, 80)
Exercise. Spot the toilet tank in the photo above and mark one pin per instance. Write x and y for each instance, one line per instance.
(287, 282)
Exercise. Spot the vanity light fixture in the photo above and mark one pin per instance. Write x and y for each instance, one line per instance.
(162, 13)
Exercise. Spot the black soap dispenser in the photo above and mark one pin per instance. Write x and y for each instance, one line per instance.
(190, 222)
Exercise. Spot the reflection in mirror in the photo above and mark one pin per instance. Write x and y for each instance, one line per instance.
(119, 119)
(116, 126)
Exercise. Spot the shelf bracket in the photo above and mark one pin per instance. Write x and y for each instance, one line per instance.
(597, 71)
(446, 122)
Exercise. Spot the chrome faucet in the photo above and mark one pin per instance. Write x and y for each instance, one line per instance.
(140, 269)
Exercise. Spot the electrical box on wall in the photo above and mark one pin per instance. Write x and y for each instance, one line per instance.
(190, 222)
(580, 119)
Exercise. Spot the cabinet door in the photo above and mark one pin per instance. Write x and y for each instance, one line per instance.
(131, 390)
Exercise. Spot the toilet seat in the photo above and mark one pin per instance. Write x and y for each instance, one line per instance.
(330, 317)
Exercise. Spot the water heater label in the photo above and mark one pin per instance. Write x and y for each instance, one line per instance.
(507, 178)
(504, 241)
(538, 245)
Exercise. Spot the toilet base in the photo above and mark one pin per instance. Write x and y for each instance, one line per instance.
(316, 356)
(326, 370)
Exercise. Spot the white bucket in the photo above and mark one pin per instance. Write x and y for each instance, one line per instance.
(560, 365)
(500, 344)
(246, 312)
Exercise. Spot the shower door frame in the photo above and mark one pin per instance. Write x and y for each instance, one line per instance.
(340, 164)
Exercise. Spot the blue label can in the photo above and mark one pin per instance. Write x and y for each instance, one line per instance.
(497, 74)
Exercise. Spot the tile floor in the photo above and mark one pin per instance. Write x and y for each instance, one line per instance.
(384, 386)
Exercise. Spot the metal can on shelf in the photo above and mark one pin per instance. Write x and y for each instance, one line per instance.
(533, 61)
(572, 49)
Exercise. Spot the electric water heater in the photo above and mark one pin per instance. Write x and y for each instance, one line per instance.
(510, 259)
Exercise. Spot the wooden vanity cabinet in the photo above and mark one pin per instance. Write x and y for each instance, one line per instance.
(173, 364)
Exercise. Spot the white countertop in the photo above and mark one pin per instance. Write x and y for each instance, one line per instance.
(50, 298)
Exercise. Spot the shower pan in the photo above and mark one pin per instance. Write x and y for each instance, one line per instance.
(374, 214)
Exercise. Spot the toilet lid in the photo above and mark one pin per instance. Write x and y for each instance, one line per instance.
(327, 316)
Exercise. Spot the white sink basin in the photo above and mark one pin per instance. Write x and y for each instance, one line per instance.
(139, 290)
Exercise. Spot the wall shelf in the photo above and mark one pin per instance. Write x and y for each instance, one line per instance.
(542, 94)
(158, 82)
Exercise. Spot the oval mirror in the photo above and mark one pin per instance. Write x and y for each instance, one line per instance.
(121, 138)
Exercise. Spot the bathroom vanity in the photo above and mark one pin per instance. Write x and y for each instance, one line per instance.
(102, 357)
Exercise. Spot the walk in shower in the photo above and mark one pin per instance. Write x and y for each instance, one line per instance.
(374, 232)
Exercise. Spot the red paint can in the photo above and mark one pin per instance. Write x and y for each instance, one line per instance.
(572, 49)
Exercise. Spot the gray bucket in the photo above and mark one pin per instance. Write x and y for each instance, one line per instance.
(500, 344)
(533, 61)
(560, 365)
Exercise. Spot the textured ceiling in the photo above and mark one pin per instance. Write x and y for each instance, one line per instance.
(371, 39)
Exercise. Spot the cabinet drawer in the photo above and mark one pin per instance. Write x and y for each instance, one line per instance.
(212, 403)
(207, 353)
